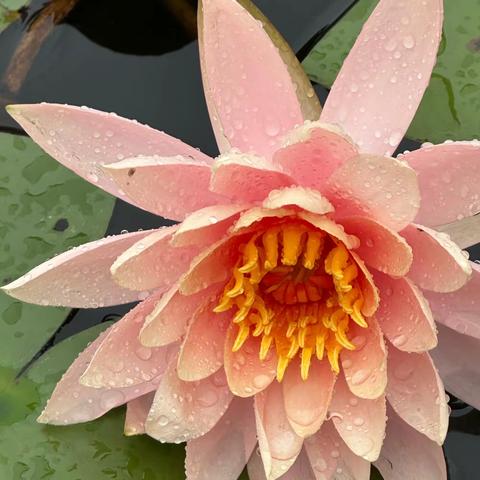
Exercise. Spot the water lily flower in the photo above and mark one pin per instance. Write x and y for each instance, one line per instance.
(293, 307)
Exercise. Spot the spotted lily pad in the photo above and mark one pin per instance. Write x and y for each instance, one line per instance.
(451, 106)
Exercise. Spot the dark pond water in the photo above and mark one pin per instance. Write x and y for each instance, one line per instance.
(140, 60)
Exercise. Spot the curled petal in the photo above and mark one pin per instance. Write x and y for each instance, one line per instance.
(257, 214)
(137, 411)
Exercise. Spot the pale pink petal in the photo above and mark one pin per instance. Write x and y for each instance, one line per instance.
(404, 315)
(416, 393)
(382, 81)
(84, 139)
(246, 178)
(202, 351)
(79, 277)
(369, 289)
(449, 180)
(438, 263)
(407, 454)
(365, 367)
(465, 233)
(300, 470)
(72, 402)
(307, 401)
(121, 360)
(257, 214)
(457, 358)
(137, 411)
(301, 197)
(332, 459)
(207, 225)
(313, 151)
(171, 187)
(459, 310)
(252, 99)
(223, 452)
(380, 188)
(380, 247)
(185, 410)
(152, 262)
(360, 422)
(279, 444)
(246, 373)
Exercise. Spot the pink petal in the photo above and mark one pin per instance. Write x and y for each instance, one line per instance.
(185, 410)
(383, 79)
(449, 179)
(152, 262)
(279, 444)
(79, 277)
(206, 226)
(457, 358)
(365, 367)
(438, 263)
(223, 452)
(380, 247)
(409, 454)
(361, 423)
(416, 393)
(84, 139)
(304, 198)
(252, 99)
(257, 214)
(137, 411)
(246, 373)
(380, 188)
(246, 178)
(72, 402)
(121, 360)
(313, 151)
(307, 401)
(171, 187)
(404, 315)
(202, 350)
(459, 310)
(370, 291)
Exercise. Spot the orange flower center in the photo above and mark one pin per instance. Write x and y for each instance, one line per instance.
(297, 288)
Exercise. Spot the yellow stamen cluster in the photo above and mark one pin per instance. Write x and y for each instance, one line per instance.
(297, 288)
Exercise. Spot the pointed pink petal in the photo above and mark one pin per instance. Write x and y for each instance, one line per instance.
(246, 178)
(152, 262)
(330, 456)
(206, 226)
(438, 263)
(380, 188)
(449, 179)
(279, 444)
(459, 310)
(171, 187)
(457, 358)
(201, 353)
(251, 98)
(307, 401)
(84, 139)
(257, 214)
(313, 151)
(79, 277)
(416, 393)
(404, 315)
(370, 291)
(361, 423)
(409, 454)
(382, 81)
(137, 411)
(121, 360)
(185, 410)
(246, 373)
(304, 198)
(365, 368)
(380, 247)
(223, 452)
(72, 402)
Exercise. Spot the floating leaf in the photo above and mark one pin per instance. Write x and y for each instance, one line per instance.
(9, 11)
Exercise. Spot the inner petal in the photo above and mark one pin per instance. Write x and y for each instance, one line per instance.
(298, 288)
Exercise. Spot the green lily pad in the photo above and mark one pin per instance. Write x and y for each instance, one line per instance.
(45, 209)
(450, 108)
(9, 11)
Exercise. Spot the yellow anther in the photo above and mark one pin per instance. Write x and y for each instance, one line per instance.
(333, 352)
(281, 367)
(237, 288)
(225, 304)
(292, 242)
(250, 256)
(294, 348)
(306, 360)
(356, 315)
(249, 293)
(320, 345)
(242, 336)
(350, 273)
(265, 346)
(313, 249)
(270, 244)
(336, 261)
(341, 335)
(348, 299)
(292, 326)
